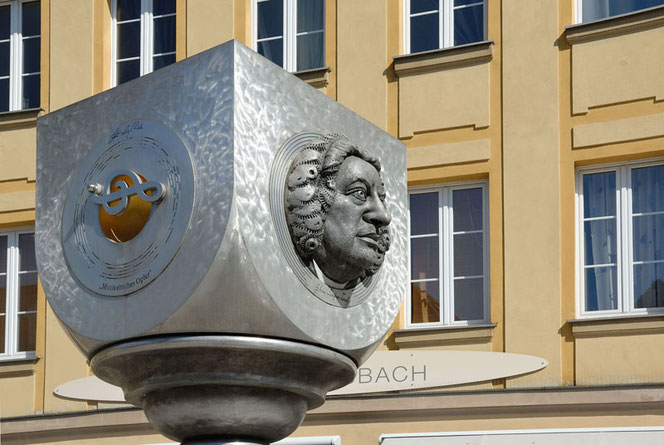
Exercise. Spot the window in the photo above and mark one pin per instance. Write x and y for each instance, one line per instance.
(434, 24)
(591, 10)
(621, 242)
(18, 294)
(143, 36)
(449, 256)
(291, 33)
(20, 54)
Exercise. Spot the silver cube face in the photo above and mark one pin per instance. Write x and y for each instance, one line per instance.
(221, 195)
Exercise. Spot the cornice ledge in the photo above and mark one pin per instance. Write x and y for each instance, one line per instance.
(614, 26)
(417, 337)
(11, 118)
(317, 77)
(443, 58)
(616, 326)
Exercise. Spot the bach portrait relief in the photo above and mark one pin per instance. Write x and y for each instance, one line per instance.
(336, 211)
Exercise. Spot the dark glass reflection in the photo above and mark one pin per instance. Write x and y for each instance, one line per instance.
(164, 35)
(424, 33)
(162, 61)
(31, 91)
(128, 70)
(417, 6)
(31, 55)
(4, 59)
(31, 22)
(648, 189)
(468, 25)
(469, 299)
(310, 51)
(128, 10)
(270, 19)
(649, 285)
(599, 194)
(467, 205)
(600, 9)
(425, 302)
(4, 95)
(160, 7)
(601, 288)
(129, 40)
(273, 50)
(423, 213)
(4, 22)
(424, 258)
(310, 15)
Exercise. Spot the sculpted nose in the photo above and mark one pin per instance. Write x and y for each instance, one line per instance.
(378, 215)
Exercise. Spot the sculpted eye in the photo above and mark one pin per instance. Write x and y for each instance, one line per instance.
(359, 194)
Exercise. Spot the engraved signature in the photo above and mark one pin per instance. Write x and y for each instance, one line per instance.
(125, 130)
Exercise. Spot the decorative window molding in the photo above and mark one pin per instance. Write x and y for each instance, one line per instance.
(449, 256)
(586, 11)
(142, 36)
(290, 33)
(620, 239)
(20, 54)
(437, 24)
(437, 59)
(18, 295)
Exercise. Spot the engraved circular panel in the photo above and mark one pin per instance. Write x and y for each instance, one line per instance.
(128, 208)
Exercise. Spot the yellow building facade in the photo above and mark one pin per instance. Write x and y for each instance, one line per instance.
(550, 116)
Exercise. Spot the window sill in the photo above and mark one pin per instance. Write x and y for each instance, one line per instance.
(317, 77)
(443, 335)
(613, 26)
(443, 58)
(18, 365)
(618, 325)
(10, 118)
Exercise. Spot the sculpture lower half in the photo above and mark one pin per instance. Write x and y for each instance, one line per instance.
(223, 389)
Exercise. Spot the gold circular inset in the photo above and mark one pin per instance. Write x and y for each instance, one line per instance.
(127, 224)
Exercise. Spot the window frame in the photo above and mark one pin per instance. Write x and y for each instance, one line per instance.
(12, 296)
(578, 12)
(445, 23)
(624, 240)
(16, 38)
(289, 35)
(146, 56)
(446, 259)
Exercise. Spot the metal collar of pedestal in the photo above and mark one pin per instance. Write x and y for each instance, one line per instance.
(222, 241)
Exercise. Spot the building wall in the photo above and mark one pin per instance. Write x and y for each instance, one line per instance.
(521, 111)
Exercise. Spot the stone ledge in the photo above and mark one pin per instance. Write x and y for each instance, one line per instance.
(444, 335)
(443, 58)
(317, 77)
(22, 117)
(13, 366)
(617, 326)
(613, 26)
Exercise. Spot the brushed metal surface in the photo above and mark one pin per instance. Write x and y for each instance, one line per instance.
(223, 386)
(233, 110)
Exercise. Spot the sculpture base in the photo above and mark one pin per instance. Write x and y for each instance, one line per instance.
(222, 389)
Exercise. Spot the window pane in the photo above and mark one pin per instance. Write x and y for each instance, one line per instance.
(423, 33)
(310, 51)
(467, 209)
(648, 237)
(599, 9)
(423, 213)
(31, 91)
(128, 70)
(163, 7)
(310, 15)
(31, 19)
(31, 55)
(425, 302)
(28, 297)
(4, 22)
(601, 289)
(424, 258)
(600, 242)
(4, 59)
(468, 255)
(164, 35)
(128, 9)
(270, 19)
(465, 2)
(26, 245)
(469, 299)
(273, 50)
(3, 254)
(599, 194)
(129, 40)
(27, 332)
(648, 189)
(162, 61)
(423, 6)
(3, 294)
(468, 25)
(4, 95)
(2, 334)
(649, 285)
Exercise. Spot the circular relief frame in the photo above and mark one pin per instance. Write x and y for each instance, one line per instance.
(109, 268)
(278, 185)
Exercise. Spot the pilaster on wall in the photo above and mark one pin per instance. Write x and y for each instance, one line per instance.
(531, 185)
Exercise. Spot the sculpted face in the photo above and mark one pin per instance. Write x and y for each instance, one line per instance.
(355, 235)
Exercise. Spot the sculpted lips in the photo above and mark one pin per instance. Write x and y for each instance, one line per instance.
(370, 238)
